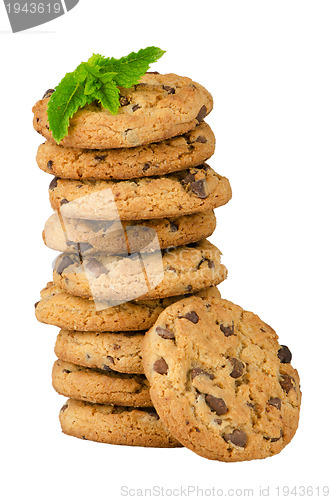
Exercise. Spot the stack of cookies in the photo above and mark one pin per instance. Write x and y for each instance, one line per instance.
(133, 204)
(149, 353)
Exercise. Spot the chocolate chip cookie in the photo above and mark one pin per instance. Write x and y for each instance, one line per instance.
(115, 425)
(220, 381)
(122, 237)
(59, 308)
(118, 351)
(171, 272)
(159, 107)
(100, 386)
(177, 153)
(189, 191)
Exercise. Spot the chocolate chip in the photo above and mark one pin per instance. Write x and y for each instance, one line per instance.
(189, 178)
(49, 164)
(100, 157)
(238, 438)
(173, 227)
(65, 262)
(152, 73)
(106, 368)
(170, 268)
(218, 421)
(95, 267)
(87, 356)
(64, 201)
(199, 188)
(238, 368)
(216, 404)
(201, 139)
(189, 288)
(64, 407)
(169, 89)
(286, 383)
(111, 359)
(116, 347)
(124, 101)
(48, 93)
(36, 304)
(53, 183)
(199, 371)
(276, 402)
(191, 316)
(284, 354)
(146, 167)
(211, 264)
(66, 371)
(135, 107)
(47, 127)
(202, 113)
(164, 332)
(227, 330)
(160, 366)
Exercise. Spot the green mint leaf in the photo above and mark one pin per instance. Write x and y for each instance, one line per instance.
(108, 95)
(131, 68)
(63, 104)
(97, 79)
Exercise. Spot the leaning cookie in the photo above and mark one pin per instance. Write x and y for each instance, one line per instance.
(100, 386)
(61, 309)
(177, 271)
(122, 237)
(220, 381)
(186, 192)
(118, 351)
(160, 107)
(115, 425)
(177, 153)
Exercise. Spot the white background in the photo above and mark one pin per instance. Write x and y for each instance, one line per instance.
(267, 64)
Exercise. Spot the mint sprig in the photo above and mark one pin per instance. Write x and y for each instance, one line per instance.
(97, 79)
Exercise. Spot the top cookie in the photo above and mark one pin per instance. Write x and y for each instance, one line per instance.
(171, 155)
(220, 381)
(159, 107)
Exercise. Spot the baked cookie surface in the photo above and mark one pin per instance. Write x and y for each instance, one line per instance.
(115, 425)
(122, 237)
(103, 386)
(186, 192)
(177, 271)
(177, 153)
(59, 308)
(119, 351)
(220, 381)
(159, 107)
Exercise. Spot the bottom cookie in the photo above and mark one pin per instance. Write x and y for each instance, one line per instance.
(115, 425)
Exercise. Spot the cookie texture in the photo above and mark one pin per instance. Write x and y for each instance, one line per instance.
(59, 308)
(220, 381)
(175, 271)
(115, 425)
(186, 192)
(118, 351)
(177, 153)
(122, 237)
(160, 107)
(100, 386)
